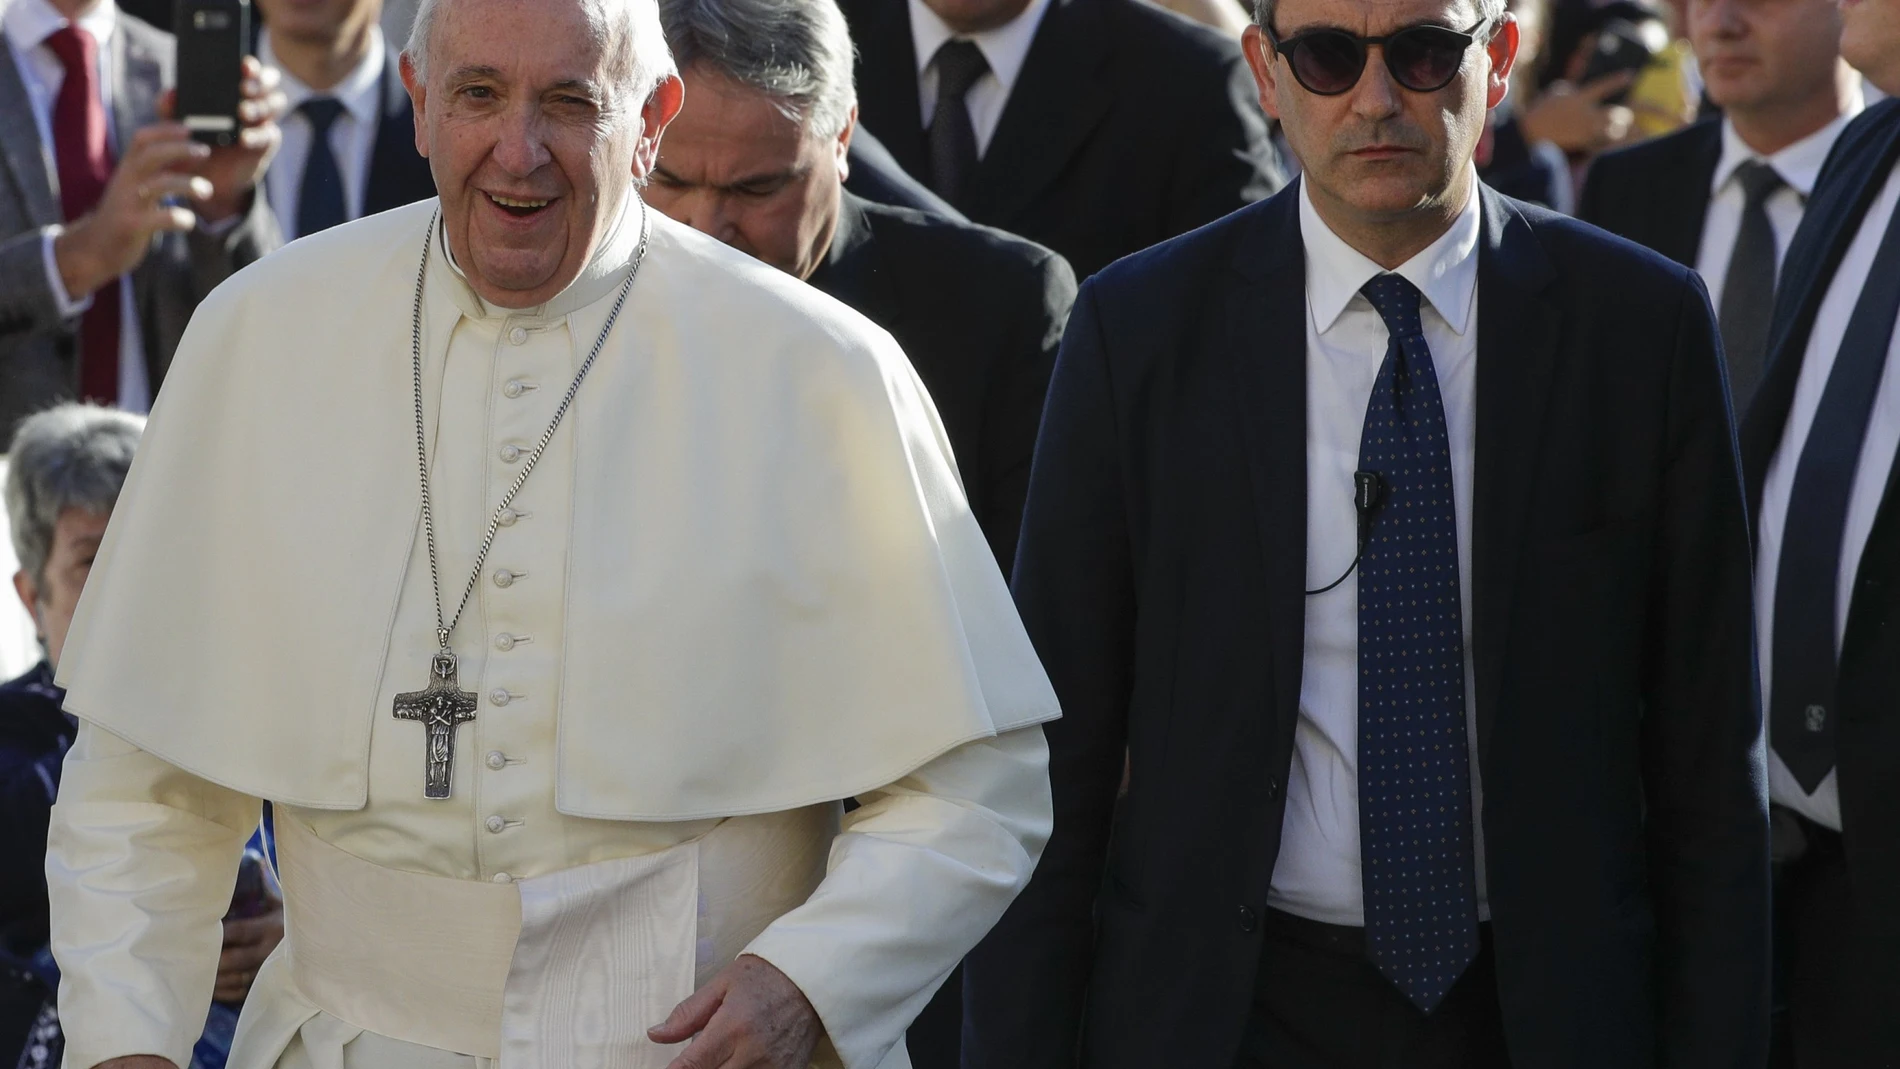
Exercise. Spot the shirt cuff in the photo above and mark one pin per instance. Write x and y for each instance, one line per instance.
(68, 308)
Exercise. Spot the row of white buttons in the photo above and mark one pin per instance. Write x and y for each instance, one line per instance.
(517, 387)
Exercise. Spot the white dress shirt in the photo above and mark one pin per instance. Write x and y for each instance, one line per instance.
(1870, 480)
(28, 23)
(1798, 165)
(1318, 873)
(352, 135)
(1005, 48)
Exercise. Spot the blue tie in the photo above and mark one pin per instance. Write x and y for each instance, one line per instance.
(1802, 708)
(1414, 771)
(320, 198)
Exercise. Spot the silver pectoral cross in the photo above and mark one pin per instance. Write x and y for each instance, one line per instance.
(442, 708)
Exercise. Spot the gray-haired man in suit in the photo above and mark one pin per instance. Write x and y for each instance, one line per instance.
(113, 224)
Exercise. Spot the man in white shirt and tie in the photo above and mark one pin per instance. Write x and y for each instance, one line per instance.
(349, 143)
(112, 224)
(1094, 127)
(1725, 196)
(1818, 453)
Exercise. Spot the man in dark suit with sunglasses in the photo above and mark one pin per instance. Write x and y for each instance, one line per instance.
(1392, 532)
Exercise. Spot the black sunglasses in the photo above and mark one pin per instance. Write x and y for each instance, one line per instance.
(1422, 58)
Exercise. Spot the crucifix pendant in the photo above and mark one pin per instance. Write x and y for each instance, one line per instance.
(442, 708)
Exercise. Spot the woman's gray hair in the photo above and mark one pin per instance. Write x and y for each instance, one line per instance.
(628, 32)
(798, 52)
(72, 456)
(1490, 11)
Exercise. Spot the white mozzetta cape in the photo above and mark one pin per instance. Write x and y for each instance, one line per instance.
(776, 596)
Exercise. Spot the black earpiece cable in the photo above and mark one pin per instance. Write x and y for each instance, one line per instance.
(1369, 494)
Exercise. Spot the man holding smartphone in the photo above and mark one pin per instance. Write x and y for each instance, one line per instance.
(105, 252)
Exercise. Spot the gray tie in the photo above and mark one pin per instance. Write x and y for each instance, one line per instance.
(1748, 293)
(952, 138)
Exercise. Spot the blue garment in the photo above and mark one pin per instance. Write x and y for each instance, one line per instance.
(1414, 765)
(35, 734)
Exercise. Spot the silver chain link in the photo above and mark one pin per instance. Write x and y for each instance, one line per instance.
(443, 630)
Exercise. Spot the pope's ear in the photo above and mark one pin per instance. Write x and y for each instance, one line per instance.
(418, 99)
(844, 144)
(655, 116)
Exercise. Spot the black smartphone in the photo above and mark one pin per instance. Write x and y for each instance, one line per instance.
(212, 38)
(1621, 46)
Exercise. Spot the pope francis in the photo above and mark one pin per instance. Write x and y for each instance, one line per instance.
(554, 571)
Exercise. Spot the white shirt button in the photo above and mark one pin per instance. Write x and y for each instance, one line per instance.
(502, 877)
(510, 453)
(508, 517)
(513, 389)
(518, 336)
(504, 642)
(500, 696)
(497, 760)
(495, 825)
(504, 578)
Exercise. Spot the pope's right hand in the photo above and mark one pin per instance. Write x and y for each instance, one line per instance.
(115, 235)
(138, 1061)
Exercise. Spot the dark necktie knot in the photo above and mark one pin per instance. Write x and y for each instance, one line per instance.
(1397, 301)
(959, 65)
(320, 113)
(74, 47)
(1759, 180)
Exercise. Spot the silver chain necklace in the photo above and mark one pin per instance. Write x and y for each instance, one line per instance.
(444, 706)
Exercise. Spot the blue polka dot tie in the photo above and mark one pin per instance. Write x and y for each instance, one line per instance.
(1414, 771)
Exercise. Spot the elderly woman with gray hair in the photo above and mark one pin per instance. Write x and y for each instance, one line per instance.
(64, 472)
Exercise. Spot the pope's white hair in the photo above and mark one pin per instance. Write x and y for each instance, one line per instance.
(627, 31)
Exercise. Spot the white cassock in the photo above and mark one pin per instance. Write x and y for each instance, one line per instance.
(741, 585)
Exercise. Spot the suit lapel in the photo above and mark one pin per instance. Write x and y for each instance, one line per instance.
(1827, 229)
(1062, 93)
(137, 79)
(1517, 352)
(1682, 203)
(852, 270)
(397, 173)
(1264, 328)
(28, 159)
(887, 81)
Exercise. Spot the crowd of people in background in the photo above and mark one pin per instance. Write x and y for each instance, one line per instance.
(954, 170)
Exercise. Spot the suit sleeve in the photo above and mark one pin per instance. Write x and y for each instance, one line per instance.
(1227, 158)
(1026, 985)
(1704, 744)
(1013, 413)
(140, 864)
(29, 304)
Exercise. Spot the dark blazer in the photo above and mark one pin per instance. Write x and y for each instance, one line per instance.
(876, 176)
(398, 174)
(39, 350)
(980, 314)
(1868, 731)
(1160, 574)
(34, 736)
(1127, 126)
(1656, 193)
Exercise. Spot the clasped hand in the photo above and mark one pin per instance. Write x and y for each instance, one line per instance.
(750, 1016)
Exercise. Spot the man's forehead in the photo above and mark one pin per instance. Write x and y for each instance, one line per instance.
(1371, 17)
(728, 132)
(552, 38)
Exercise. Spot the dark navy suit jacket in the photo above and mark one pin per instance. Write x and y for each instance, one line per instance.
(1160, 573)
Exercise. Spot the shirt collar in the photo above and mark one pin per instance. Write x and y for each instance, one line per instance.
(1004, 48)
(28, 23)
(1446, 271)
(1798, 165)
(360, 91)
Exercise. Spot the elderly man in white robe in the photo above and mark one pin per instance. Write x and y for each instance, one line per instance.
(555, 571)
